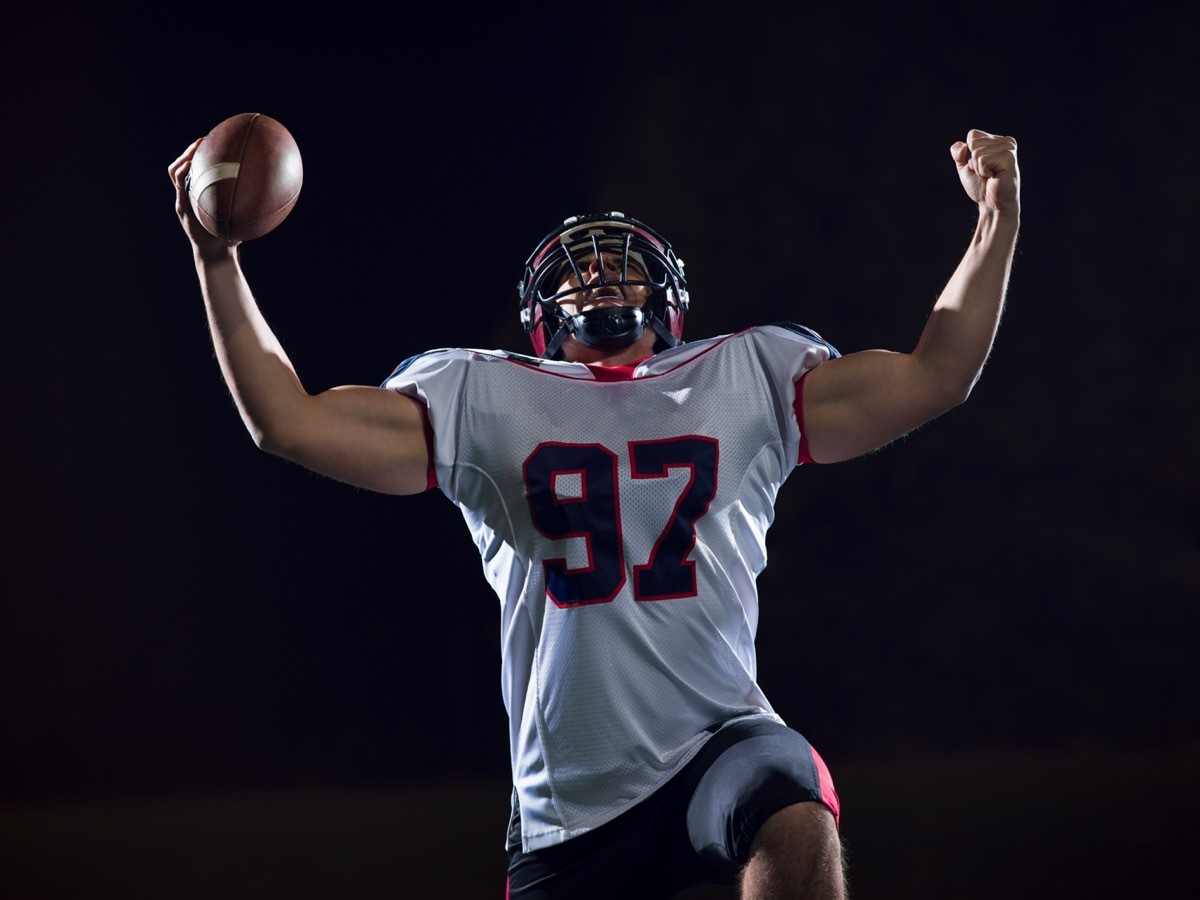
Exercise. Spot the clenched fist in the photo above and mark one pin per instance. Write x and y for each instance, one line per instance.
(987, 168)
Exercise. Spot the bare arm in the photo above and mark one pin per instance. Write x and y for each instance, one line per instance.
(859, 402)
(366, 436)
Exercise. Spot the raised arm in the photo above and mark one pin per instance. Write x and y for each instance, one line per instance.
(365, 436)
(862, 401)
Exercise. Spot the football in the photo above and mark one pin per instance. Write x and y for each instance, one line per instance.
(245, 177)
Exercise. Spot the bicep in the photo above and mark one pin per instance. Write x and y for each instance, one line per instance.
(370, 437)
(859, 402)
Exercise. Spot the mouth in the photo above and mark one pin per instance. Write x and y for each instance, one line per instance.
(605, 295)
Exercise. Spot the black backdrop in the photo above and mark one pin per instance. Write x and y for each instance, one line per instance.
(183, 612)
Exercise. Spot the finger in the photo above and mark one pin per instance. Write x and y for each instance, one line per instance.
(991, 153)
(996, 157)
(981, 141)
(985, 167)
(960, 152)
(179, 168)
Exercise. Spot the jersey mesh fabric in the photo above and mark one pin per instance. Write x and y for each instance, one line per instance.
(622, 525)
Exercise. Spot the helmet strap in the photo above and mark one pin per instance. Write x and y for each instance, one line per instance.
(665, 337)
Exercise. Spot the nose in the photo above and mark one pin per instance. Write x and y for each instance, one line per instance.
(606, 262)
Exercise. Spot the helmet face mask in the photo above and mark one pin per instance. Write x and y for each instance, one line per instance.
(557, 271)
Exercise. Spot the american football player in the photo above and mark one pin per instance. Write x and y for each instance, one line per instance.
(619, 482)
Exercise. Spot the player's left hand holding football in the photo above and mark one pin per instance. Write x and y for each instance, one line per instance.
(987, 168)
(203, 243)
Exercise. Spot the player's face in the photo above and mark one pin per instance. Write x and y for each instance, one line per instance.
(595, 294)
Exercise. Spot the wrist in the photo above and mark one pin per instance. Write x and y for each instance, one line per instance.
(992, 219)
(996, 229)
(214, 253)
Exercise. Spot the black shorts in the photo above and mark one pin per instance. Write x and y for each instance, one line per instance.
(696, 829)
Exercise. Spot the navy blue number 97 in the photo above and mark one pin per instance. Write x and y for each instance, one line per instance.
(572, 493)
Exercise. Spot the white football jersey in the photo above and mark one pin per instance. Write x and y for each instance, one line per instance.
(621, 515)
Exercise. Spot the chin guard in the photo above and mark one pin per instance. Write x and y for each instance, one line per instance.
(609, 328)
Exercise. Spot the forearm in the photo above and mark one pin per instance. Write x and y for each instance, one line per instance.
(260, 377)
(959, 332)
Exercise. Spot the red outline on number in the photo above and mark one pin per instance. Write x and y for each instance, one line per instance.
(689, 564)
(586, 535)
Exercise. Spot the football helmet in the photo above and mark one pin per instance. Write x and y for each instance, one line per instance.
(643, 258)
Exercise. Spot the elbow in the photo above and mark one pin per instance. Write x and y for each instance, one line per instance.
(272, 437)
(288, 430)
(951, 386)
(276, 443)
(946, 381)
(957, 395)
(267, 442)
(947, 395)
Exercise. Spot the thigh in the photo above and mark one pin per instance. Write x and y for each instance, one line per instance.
(756, 768)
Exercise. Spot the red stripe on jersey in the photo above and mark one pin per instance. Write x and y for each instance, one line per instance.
(798, 407)
(615, 373)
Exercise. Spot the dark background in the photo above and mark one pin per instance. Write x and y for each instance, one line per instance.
(215, 663)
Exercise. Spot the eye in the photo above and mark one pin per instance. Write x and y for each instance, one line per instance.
(563, 274)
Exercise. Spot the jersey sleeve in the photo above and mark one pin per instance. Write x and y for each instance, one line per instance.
(434, 379)
(788, 353)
